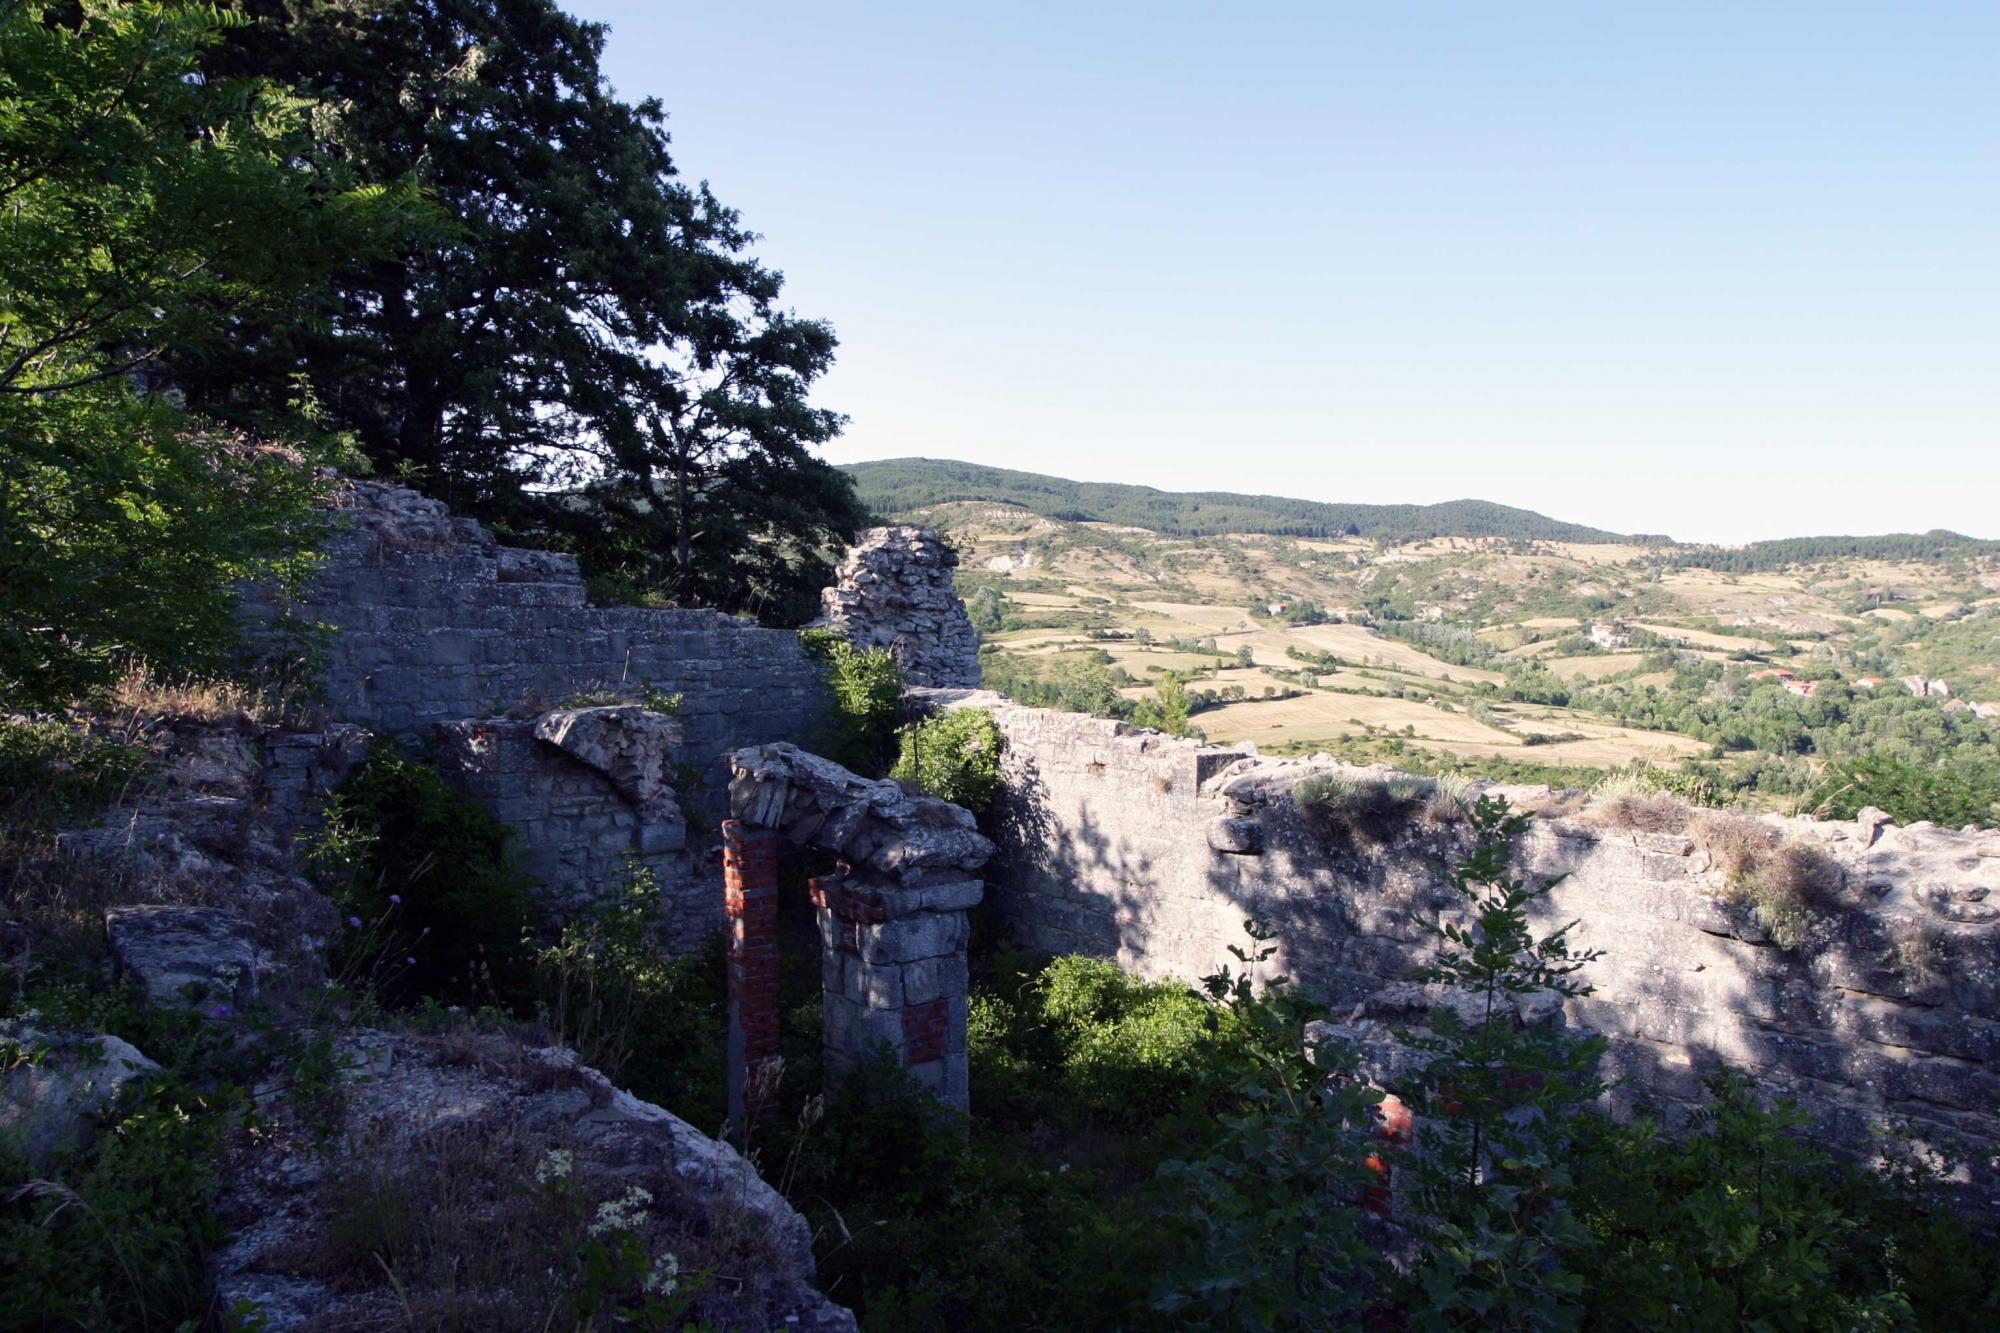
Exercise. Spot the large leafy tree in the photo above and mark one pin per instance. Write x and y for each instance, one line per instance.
(145, 210)
(593, 358)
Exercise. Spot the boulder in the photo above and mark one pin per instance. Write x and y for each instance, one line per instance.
(56, 1085)
(204, 957)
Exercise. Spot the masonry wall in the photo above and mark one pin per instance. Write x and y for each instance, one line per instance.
(1154, 851)
(435, 621)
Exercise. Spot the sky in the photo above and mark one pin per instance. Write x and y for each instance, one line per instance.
(1725, 272)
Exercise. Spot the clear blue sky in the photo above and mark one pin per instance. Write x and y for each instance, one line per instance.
(1724, 271)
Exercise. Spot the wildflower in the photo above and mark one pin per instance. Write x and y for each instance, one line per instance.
(395, 900)
(555, 1166)
(411, 961)
(666, 1275)
(221, 1011)
(621, 1214)
(355, 922)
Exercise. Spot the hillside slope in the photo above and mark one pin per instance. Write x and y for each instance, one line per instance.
(898, 485)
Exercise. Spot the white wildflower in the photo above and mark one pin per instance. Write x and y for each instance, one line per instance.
(665, 1278)
(555, 1166)
(621, 1214)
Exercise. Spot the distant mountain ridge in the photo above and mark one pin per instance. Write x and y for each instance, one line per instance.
(894, 486)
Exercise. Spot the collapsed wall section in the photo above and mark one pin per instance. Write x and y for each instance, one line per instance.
(1154, 851)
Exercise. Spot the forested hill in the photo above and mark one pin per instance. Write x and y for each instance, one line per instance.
(1923, 547)
(899, 485)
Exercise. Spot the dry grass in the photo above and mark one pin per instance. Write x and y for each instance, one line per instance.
(138, 697)
(1788, 884)
(1370, 812)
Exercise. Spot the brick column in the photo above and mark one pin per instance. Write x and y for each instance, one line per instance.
(750, 900)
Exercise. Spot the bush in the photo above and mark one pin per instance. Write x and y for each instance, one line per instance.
(423, 873)
(55, 771)
(1131, 1051)
(120, 1238)
(954, 756)
(1785, 883)
(867, 688)
(1953, 797)
(1350, 808)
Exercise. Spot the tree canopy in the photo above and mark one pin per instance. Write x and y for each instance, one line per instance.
(147, 211)
(590, 356)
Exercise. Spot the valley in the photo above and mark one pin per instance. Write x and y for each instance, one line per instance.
(1522, 657)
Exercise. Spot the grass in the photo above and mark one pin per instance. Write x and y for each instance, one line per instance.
(1789, 885)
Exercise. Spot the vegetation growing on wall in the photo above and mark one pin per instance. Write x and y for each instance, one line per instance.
(954, 756)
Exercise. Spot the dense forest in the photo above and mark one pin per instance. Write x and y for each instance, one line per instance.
(899, 485)
(1937, 544)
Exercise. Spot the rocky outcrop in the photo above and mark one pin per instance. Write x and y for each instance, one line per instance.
(895, 591)
(910, 840)
(628, 743)
(508, 1153)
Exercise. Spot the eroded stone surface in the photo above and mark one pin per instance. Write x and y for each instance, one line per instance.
(505, 1126)
(201, 956)
(894, 590)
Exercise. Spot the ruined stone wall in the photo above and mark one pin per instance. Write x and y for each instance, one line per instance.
(894, 591)
(435, 621)
(1154, 851)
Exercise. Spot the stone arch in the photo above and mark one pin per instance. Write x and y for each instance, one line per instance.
(892, 919)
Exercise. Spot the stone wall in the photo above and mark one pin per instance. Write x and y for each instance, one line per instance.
(894, 591)
(437, 622)
(1154, 851)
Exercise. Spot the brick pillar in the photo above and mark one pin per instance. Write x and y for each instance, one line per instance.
(750, 900)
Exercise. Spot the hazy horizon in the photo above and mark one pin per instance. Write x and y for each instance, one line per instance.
(1720, 273)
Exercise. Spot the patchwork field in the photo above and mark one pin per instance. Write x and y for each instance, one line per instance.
(1422, 645)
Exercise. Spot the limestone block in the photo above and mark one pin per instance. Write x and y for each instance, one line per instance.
(183, 955)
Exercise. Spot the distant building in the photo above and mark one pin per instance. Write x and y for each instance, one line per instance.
(1867, 682)
(1916, 685)
(1986, 710)
(1771, 673)
(1274, 608)
(1609, 636)
(1805, 689)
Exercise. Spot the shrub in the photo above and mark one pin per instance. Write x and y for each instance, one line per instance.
(954, 756)
(56, 771)
(1129, 1051)
(1648, 812)
(867, 688)
(1908, 792)
(608, 992)
(1785, 883)
(1350, 808)
(119, 1236)
(424, 872)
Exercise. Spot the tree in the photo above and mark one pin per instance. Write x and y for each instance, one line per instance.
(146, 211)
(592, 359)
(1495, 1100)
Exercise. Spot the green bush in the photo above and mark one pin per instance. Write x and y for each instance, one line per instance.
(1951, 796)
(52, 771)
(1742, 1222)
(120, 1236)
(954, 756)
(867, 688)
(1131, 1051)
(436, 901)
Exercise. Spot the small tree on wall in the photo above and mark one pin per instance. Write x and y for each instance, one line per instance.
(1495, 1100)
